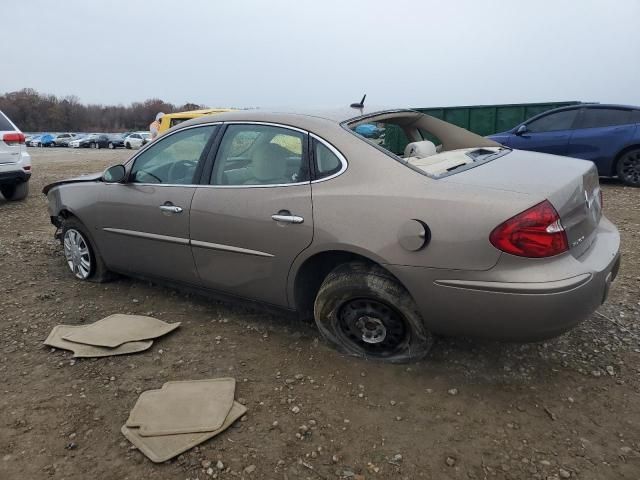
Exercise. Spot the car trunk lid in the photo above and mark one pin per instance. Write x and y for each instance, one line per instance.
(571, 185)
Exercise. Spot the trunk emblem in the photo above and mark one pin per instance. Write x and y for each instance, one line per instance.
(587, 201)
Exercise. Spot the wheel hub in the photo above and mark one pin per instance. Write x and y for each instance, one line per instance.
(373, 330)
(77, 254)
(372, 327)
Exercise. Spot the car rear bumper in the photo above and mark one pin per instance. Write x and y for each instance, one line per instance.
(12, 177)
(524, 303)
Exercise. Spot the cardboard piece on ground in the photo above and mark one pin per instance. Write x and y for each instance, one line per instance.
(162, 448)
(81, 350)
(117, 329)
(190, 406)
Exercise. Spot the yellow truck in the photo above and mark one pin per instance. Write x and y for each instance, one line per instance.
(169, 120)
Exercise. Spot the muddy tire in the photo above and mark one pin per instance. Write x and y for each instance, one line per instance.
(363, 311)
(84, 265)
(15, 192)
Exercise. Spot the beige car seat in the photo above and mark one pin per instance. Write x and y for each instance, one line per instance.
(268, 166)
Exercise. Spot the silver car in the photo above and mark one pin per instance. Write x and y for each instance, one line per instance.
(425, 229)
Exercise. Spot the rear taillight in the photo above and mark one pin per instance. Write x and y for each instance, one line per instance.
(534, 233)
(13, 138)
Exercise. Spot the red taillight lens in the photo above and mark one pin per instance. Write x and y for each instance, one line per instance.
(13, 138)
(534, 233)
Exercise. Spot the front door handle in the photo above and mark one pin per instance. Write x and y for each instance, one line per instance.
(171, 208)
(286, 217)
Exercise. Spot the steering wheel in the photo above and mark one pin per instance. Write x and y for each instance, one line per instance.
(179, 170)
(145, 172)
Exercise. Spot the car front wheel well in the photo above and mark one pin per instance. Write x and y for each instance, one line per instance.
(315, 269)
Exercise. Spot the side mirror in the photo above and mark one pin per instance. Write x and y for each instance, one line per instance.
(114, 174)
(521, 130)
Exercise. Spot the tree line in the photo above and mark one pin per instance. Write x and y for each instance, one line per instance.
(32, 111)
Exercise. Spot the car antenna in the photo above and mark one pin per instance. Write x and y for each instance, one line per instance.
(359, 104)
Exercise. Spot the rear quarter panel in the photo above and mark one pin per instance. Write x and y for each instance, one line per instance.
(364, 209)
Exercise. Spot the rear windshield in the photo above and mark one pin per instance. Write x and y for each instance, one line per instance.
(5, 125)
(426, 144)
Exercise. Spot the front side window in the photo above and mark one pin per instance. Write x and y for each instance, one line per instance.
(260, 155)
(173, 159)
(553, 122)
(604, 117)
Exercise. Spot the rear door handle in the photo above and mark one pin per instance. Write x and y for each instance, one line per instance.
(171, 209)
(286, 217)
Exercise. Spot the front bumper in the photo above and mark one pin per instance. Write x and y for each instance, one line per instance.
(518, 299)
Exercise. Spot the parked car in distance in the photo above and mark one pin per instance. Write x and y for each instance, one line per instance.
(94, 140)
(116, 140)
(368, 130)
(608, 135)
(63, 139)
(33, 140)
(169, 120)
(15, 161)
(137, 140)
(476, 239)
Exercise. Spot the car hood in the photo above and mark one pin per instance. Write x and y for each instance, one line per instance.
(90, 177)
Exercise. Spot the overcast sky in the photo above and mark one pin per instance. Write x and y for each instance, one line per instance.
(324, 52)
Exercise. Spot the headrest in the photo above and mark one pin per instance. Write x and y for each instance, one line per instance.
(420, 149)
(269, 162)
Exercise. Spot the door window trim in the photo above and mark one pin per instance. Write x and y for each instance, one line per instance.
(204, 157)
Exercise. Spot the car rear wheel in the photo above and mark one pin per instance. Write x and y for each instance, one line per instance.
(128, 146)
(15, 192)
(363, 311)
(80, 253)
(628, 168)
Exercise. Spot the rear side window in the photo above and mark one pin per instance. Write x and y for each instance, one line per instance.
(605, 117)
(327, 163)
(553, 122)
(260, 155)
(4, 123)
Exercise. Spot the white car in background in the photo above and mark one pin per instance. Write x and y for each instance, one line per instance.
(137, 139)
(15, 162)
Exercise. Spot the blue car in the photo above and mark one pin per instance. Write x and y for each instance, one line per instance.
(608, 135)
(368, 130)
(47, 140)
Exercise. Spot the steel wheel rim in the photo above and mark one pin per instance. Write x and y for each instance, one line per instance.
(76, 251)
(372, 327)
(630, 167)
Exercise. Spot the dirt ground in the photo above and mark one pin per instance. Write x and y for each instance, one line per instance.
(566, 408)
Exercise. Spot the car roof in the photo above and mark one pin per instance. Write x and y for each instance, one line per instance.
(292, 115)
(591, 105)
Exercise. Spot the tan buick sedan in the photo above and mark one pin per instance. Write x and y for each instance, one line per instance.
(355, 218)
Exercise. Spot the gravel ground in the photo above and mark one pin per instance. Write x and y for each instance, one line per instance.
(566, 408)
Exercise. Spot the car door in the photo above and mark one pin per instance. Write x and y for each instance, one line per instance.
(143, 225)
(601, 134)
(255, 216)
(549, 133)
